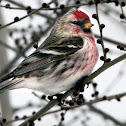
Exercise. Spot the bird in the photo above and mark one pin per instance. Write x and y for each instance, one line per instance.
(68, 54)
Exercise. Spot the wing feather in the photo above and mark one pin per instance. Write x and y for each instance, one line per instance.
(64, 47)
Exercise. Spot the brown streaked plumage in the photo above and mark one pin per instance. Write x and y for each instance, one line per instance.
(67, 55)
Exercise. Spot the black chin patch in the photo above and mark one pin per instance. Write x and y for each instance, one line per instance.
(87, 30)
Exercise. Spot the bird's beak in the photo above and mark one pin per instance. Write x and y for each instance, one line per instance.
(88, 25)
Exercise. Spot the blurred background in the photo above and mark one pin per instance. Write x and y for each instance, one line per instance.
(20, 39)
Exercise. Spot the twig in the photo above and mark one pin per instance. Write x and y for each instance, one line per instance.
(15, 120)
(111, 41)
(7, 46)
(109, 9)
(48, 113)
(68, 93)
(15, 8)
(42, 111)
(15, 50)
(11, 63)
(115, 80)
(123, 22)
(122, 11)
(36, 95)
(41, 8)
(55, 8)
(105, 115)
(33, 12)
(61, 121)
(51, 112)
(100, 29)
(104, 98)
(22, 6)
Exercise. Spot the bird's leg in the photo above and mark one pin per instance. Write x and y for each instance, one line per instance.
(79, 84)
(59, 98)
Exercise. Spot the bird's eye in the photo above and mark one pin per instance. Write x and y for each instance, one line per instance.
(77, 23)
(74, 22)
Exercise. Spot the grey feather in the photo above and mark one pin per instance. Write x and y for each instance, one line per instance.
(39, 60)
(9, 85)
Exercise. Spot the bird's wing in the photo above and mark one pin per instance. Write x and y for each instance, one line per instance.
(45, 55)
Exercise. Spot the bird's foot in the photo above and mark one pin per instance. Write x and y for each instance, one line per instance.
(59, 99)
(79, 86)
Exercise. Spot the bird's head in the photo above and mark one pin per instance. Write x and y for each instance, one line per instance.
(73, 23)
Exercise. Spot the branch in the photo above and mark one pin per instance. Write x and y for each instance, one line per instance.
(51, 104)
(100, 29)
(22, 6)
(122, 11)
(7, 46)
(19, 119)
(104, 98)
(55, 8)
(105, 115)
(33, 12)
(111, 41)
(41, 8)
(10, 65)
(42, 111)
(13, 49)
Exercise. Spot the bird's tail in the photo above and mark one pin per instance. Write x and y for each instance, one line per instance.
(8, 76)
(9, 85)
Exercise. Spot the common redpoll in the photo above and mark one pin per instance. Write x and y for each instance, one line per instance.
(67, 55)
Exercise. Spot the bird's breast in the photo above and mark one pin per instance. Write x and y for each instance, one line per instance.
(82, 63)
(86, 58)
